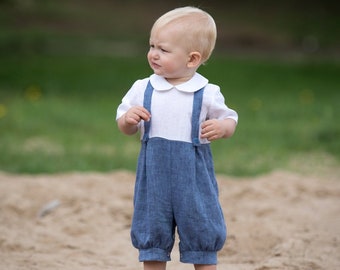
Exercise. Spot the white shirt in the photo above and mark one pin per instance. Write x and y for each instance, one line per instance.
(171, 106)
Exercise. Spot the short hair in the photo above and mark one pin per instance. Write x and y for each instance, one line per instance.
(198, 27)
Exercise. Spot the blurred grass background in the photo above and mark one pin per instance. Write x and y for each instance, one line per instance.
(65, 65)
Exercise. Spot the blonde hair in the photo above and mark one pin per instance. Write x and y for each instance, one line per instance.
(198, 29)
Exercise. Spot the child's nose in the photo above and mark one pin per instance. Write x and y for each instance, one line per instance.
(154, 54)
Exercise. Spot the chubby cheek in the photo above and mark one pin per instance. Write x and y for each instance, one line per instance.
(168, 62)
(148, 56)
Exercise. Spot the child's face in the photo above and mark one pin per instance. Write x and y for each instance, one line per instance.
(167, 55)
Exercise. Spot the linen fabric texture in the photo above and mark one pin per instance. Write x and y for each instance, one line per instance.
(175, 181)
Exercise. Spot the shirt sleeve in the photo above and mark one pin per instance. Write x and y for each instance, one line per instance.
(134, 97)
(218, 108)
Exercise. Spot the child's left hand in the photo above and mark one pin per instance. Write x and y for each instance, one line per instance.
(214, 129)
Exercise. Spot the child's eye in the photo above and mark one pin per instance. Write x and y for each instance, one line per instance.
(152, 46)
(164, 50)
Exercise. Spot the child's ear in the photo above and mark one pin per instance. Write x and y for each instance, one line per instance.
(194, 59)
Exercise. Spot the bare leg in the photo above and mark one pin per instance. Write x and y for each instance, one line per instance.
(153, 265)
(205, 267)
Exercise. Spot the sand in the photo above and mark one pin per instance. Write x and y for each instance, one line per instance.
(282, 220)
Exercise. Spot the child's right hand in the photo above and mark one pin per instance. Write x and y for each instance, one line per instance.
(135, 114)
(128, 122)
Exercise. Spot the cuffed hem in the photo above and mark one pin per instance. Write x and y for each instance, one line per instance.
(199, 257)
(154, 254)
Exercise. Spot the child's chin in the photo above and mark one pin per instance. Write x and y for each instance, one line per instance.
(157, 72)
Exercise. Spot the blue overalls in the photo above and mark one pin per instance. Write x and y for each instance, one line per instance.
(176, 187)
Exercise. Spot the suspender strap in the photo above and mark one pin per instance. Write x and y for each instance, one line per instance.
(195, 118)
(147, 105)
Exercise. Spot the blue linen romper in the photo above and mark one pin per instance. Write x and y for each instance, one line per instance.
(176, 187)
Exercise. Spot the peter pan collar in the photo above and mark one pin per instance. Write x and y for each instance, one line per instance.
(197, 82)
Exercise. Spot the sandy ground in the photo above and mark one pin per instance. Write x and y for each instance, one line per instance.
(277, 221)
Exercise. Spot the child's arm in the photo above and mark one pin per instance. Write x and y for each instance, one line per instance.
(128, 122)
(216, 129)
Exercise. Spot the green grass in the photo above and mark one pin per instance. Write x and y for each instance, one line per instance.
(57, 113)
(66, 65)
(285, 109)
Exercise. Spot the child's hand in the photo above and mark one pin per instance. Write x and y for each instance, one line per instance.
(216, 129)
(135, 114)
(128, 122)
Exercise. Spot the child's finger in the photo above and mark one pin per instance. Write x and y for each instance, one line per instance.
(144, 114)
